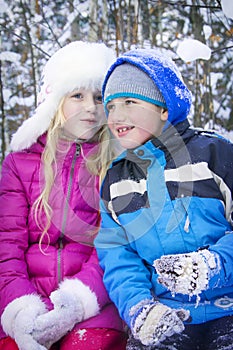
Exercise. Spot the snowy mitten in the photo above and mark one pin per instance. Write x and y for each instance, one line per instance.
(73, 302)
(18, 320)
(153, 322)
(187, 273)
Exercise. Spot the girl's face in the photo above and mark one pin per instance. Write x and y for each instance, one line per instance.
(133, 121)
(84, 114)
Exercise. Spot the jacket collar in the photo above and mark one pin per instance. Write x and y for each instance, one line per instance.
(174, 139)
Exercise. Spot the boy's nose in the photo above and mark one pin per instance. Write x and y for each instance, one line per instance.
(118, 114)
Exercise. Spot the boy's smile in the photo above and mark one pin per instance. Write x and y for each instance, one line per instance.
(133, 121)
(124, 129)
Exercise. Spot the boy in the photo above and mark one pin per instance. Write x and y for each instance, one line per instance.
(166, 241)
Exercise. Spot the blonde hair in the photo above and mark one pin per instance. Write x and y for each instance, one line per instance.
(97, 164)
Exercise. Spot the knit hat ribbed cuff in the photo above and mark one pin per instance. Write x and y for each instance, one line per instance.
(128, 80)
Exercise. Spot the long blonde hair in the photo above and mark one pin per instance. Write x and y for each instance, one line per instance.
(97, 164)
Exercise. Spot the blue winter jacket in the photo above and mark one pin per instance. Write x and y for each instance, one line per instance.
(171, 195)
(154, 204)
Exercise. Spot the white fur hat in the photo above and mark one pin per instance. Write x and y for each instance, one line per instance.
(76, 65)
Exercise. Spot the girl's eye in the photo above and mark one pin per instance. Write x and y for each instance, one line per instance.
(98, 99)
(78, 96)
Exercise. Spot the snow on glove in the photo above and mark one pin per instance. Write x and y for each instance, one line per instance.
(73, 302)
(18, 320)
(187, 273)
(153, 322)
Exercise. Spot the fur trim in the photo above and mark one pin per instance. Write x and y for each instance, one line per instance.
(76, 65)
(30, 302)
(83, 294)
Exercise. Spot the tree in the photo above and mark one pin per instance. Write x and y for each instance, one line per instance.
(31, 31)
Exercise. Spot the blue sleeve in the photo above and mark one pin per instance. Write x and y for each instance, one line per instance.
(222, 165)
(126, 278)
(224, 249)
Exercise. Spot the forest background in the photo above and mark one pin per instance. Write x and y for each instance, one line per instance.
(32, 30)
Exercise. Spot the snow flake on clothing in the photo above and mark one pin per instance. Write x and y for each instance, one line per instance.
(166, 76)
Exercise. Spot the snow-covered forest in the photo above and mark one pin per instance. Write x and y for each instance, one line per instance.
(197, 33)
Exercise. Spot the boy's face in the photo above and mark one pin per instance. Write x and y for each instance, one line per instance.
(133, 121)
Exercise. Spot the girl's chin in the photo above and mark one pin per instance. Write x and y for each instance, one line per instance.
(85, 136)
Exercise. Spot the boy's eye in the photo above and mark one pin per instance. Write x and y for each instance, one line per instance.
(129, 101)
(98, 98)
(110, 107)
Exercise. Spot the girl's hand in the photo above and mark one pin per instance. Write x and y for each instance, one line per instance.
(18, 320)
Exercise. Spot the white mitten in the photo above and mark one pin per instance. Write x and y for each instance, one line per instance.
(187, 273)
(73, 302)
(153, 322)
(18, 320)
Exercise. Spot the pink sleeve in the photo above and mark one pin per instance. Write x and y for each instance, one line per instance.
(14, 281)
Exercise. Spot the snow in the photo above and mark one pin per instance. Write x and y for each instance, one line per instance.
(21, 101)
(82, 8)
(81, 333)
(3, 7)
(10, 56)
(155, 321)
(192, 49)
(227, 8)
(12, 61)
(207, 31)
(187, 274)
(220, 130)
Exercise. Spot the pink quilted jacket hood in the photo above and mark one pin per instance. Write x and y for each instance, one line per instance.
(69, 252)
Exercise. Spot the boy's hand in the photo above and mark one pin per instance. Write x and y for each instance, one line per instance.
(186, 273)
(154, 322)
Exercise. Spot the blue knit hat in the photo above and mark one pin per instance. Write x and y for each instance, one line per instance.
(164, 74)
(128, 80)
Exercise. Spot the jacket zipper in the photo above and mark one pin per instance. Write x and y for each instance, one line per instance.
(64, 221)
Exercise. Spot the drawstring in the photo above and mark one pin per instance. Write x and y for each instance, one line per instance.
(186, 225)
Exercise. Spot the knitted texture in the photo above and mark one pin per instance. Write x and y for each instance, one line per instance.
(153, 322)
(166, 77)
(188, 273)
(129, 80)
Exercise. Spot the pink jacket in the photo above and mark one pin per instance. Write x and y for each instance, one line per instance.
(69, 252)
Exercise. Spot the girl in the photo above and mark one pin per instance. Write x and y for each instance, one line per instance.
(50, 281)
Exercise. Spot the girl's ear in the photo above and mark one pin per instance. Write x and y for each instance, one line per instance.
(164, 114)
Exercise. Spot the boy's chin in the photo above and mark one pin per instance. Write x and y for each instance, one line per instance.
(129, 144)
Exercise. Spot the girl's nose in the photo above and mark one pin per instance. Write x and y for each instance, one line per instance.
(89, 103)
